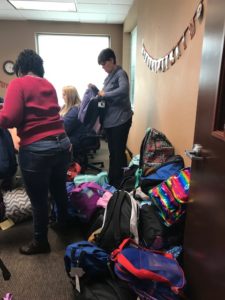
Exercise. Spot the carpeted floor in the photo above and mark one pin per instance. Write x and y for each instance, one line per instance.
(42, 276)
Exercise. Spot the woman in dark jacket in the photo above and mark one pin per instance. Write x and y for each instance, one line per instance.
(118, 114)
(76, 131)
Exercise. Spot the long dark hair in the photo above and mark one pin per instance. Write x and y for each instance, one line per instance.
(29, 61)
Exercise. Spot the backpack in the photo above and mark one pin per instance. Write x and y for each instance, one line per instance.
(155, 150)
(93, 260)
(83, 199)
(5, 272)
(106, 289)
(171, 167)
(100, 178)
(153, 233)
(2, 207)
(171, 196)
(17, 205)
(73, 170)
(95, 111)
(8, 296)
(148, 271)
(8, 162)
(90, 93)
(120, 221)
(128, 180)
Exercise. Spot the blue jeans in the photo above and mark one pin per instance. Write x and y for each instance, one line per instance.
(44, 166)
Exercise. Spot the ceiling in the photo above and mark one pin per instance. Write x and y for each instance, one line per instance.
(88, 11)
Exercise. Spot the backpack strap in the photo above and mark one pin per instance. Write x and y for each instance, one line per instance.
(5, 272)
(139, 171)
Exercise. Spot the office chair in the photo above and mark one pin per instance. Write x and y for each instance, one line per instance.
(87, 148)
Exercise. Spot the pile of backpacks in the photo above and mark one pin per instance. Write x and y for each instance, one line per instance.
(135, 234)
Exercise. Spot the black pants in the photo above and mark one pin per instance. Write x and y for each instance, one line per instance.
(117, 140)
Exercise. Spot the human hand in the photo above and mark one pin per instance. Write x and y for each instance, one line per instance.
(101, 93)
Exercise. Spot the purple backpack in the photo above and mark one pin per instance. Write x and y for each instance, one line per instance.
(84, 199)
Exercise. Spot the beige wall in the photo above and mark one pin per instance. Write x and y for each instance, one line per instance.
(18, 35)
(166, 101)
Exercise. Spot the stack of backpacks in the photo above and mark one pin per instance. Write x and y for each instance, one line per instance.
(134, 241)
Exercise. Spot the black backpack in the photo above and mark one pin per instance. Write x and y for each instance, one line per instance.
(2, 207)
(95, 109)
(8, 162)
(105, 289)
(154, 234)
(129, 179)
(120, 221)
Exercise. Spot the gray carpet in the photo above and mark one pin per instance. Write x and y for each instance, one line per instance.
(40, 276)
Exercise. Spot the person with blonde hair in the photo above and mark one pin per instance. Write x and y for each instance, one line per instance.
(71, 98)
(75, 130)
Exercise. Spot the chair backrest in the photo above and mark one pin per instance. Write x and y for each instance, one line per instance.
(90, 143)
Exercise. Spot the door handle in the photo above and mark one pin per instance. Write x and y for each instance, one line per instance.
(195, 153)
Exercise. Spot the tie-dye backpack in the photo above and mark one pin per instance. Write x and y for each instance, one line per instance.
(171, 196)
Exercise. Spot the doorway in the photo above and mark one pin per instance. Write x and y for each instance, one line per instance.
(204, 241)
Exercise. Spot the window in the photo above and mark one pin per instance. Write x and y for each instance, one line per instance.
(72, 60)
(133, 64)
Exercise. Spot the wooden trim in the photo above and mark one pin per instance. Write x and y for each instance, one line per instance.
(219, 135)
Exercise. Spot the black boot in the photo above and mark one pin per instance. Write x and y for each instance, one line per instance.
(35, 247)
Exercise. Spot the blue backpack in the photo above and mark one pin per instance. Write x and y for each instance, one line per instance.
(93, 260)
(8, 162)
(151, 274)
(171, 167)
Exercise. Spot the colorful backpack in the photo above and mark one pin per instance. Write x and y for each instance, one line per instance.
(155, 150)
(151, 274)
(171, 196)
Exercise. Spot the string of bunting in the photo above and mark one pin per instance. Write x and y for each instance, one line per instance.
(163, 64)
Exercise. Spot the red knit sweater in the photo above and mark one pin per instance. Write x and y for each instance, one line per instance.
(31, 105)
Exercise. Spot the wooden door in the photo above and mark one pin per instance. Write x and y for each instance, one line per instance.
(204, 242)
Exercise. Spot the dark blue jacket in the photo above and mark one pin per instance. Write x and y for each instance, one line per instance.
(73, 127)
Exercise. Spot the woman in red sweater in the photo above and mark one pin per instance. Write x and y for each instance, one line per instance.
(31, 105)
